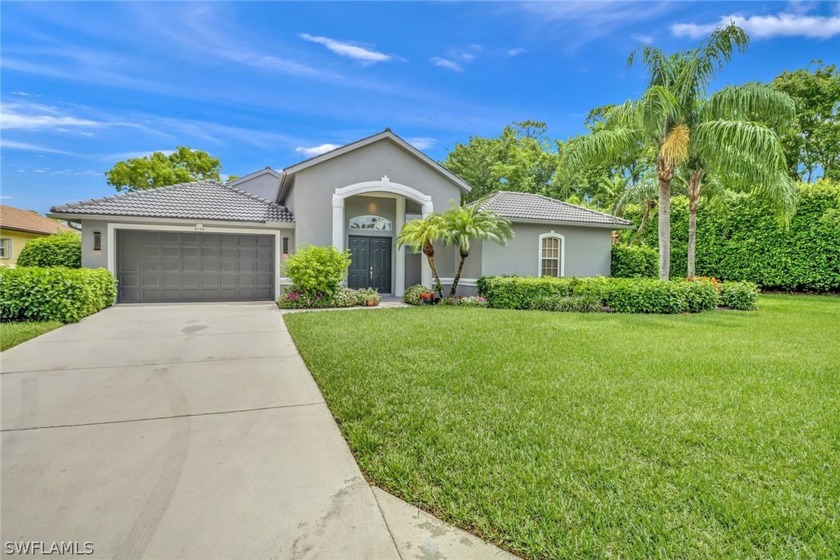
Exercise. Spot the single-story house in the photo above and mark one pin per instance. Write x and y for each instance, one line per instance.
(18, 226)
(207, 241)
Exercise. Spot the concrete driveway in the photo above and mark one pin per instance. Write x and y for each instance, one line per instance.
(188, 431)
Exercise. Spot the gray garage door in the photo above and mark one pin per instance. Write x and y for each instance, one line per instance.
(158, 266)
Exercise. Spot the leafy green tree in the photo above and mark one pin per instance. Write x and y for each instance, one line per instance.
(420, 235)
(812, 139)
(659, 119)
(462, 224)
(521, 159)
(159, 170)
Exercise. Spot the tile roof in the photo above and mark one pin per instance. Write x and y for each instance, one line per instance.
(200, 200)
(26, 220)
(527, 206)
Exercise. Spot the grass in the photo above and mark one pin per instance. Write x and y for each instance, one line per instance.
(12, 334)
(560, 435)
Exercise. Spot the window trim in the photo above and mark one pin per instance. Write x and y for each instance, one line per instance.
(8, 254)
(383, 218)
(561, 258)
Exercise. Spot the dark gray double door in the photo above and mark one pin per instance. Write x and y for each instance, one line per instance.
(370, 265)
(169, 266)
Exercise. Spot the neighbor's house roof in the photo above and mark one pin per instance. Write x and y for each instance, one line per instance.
(200, 200)
(386, 134)
(28, 221)
(517, 206)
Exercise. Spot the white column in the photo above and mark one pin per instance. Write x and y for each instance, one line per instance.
(425, 269)
(399, 253)
(338, 222)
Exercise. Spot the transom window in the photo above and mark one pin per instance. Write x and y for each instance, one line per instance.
(5, 248)
(370, 222)
(551, 254)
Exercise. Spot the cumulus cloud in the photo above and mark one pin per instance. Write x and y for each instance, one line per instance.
(785, 24)
(349, 49)
(311, 151)
(446, 63)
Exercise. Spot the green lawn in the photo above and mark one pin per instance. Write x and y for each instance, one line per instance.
(12, 334)
(560, 435)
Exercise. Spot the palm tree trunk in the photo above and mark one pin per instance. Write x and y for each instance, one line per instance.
(457, 277)
(666, 173)
(694, 183)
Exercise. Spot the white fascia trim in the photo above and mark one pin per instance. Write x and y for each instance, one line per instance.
(266, 171)
(154, 222)
(383, 185)
(112, 242)
(562, 239)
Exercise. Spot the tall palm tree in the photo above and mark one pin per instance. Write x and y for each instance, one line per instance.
(659, 118)
(728, 143)
(462, 224)
(644, 193)
(420, 235)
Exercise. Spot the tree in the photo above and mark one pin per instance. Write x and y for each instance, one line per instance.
(644, 194)
(521, 159)
(812, 139)
(159, 170)
(462, 224)
(659, 118)
(728, 144)
(420, 236)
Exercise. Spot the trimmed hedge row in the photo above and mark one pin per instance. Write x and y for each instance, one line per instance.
(634, 261)
(295, 298)
(64, 249)
(740, 238)
(54, 293)
(622, 295)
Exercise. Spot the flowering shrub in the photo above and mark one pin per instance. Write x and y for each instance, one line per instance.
(473, 301)
(412, 294)
(295, 298)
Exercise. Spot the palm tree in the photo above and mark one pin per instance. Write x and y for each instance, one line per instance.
(420, 235)
(462, 224)
(644, 194)
(659, 118)
(728, 144)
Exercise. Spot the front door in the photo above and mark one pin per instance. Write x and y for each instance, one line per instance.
(370, 265)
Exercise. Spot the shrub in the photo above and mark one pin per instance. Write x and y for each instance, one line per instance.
(318, 270)
(366, 295)
(295, 298)
(412, 294)
(581, 304)
(54, 293)
(739, 295)
(634, 261)
(740, 238)
(623, 295)
(700, 294)
(63, 249)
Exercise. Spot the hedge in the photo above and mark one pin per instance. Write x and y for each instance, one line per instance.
(53, 250)
(621, 295)
(54, 293)
(740, 238)
(634, 261)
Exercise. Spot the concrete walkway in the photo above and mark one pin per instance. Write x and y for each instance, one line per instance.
(190, 431)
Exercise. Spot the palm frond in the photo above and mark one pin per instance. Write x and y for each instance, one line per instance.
(658, 109)
(642, 192)
(749, 102)
(675, 147)
(604, 146)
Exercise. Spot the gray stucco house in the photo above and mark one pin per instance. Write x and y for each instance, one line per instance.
(209, 241)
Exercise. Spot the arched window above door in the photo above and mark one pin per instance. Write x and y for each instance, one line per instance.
(371, 223)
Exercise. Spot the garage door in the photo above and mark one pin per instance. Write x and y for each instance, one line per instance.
(158, 266)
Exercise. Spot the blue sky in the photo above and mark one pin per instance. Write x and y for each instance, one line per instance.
(85, 85)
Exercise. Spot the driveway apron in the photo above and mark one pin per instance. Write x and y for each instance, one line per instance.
(179, 431)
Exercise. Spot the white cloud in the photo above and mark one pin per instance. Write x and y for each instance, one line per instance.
(26, 146)
(422, 143)
(515, 52)
(348, 49)
(4, 197)
(32, 116)
(21, 93)
(446, 63)
(764, 27)
(313, 151)
(641, 38)
(134, 155)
